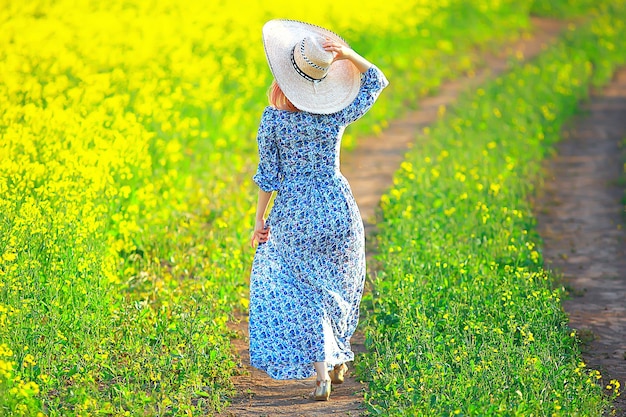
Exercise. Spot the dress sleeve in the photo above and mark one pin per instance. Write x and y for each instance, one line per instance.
(372, 84)
(268, 175)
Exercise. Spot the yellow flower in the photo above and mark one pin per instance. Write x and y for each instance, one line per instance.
(9, 256)
(29, 360)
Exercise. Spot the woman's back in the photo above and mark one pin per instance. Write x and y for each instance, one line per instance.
(295, 145)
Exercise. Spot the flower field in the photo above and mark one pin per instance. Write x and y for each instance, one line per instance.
(465, 321)
(127, 146)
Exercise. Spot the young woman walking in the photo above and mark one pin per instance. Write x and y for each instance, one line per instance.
(309, 267)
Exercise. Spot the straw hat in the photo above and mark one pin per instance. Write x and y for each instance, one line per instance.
(304, 71)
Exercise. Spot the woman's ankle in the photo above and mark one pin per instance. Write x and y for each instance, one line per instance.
(322, 371)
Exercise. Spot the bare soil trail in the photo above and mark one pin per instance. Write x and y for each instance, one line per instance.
(369, 168)
(581, 221)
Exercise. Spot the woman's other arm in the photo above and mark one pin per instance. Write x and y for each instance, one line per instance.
(261, 233)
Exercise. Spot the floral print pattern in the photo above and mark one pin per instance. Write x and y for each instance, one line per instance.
(307, 279)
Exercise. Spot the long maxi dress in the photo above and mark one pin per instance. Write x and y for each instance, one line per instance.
(307, 279)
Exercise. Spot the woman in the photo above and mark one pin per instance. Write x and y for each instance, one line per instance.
(309, 268)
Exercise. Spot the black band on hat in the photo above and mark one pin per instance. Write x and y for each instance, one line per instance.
(302, 73)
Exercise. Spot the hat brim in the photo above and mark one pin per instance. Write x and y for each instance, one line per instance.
(330, 95)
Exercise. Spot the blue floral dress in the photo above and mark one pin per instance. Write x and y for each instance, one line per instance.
(307, 279)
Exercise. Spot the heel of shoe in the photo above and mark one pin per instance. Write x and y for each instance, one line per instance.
(322, 390)
(337, 375)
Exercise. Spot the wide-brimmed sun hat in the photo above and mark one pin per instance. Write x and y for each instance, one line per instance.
(304, 71)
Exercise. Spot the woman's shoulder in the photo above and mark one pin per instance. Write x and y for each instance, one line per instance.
(273, 117)
(279, 115)
(274, 113)
(269, 114)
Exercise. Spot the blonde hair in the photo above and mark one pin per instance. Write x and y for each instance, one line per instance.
(278, 99)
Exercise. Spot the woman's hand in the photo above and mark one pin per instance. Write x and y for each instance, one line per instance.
(261, 233)
(339, 51)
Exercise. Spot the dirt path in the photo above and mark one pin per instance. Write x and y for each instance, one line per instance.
(369, 169)
(581, 222)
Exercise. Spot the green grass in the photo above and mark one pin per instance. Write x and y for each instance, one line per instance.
(465, 321)
(566, 8)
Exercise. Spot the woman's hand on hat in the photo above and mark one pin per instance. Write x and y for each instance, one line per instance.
(339, 51)
(342, 51)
